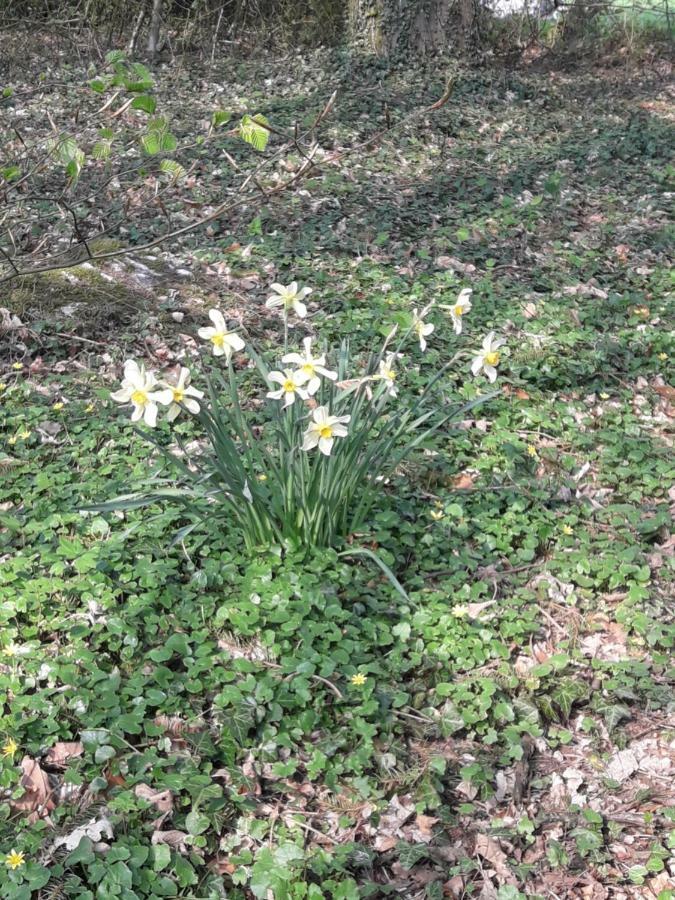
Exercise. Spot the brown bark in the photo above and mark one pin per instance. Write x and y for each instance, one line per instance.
(419, 27)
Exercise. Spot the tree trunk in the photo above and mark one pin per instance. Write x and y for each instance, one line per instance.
(155, 26)
(387, 27)
(133, 40)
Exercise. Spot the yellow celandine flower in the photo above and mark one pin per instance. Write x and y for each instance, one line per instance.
(11, 441)
(25, 434)
(2, 385)
(663, 357)
(568, 530)
(289, 297)
(642, 311)
(17, 365)
(57, 406)
(422, 329)
(15, 860)
(437, 514)
(9, 748)
(532, 450)
(358, 680)
(604, 396)
(460, 612)
(89, 408)
(10, 650)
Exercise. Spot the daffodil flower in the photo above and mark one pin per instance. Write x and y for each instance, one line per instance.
(460, 308)
(291, 384)
(422, 328)
(224, 341)
(14, 860)
(323, 429)
(182, 395)
(290, 297)
(311, 367)
(387, 374)
(138, 388)
(488, 358)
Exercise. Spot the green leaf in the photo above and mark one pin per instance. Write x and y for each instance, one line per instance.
(97, 85)
(102, 150)
(196, 822)
(151, 143)
(167, 142)
(83, 853)
(115, 56)
(161, 854)
(11, 173)
(252, 130)
(172, 168)
(144, 102)
(220, 117)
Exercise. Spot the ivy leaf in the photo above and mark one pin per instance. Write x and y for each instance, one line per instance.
(253, 130)
(613, 713)
(196, 822)
(566, 694)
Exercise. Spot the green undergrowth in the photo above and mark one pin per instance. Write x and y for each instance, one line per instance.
(527, 539)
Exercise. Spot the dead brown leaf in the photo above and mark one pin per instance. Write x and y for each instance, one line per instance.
(172, 838)
(490, 850)
(60, 753)
(161, 800)
(176, 726)
(463, 482)
(37, 797)
(421, 831)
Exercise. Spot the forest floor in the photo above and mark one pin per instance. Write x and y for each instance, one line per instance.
(181, 721)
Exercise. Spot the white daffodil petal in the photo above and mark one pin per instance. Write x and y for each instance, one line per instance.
(295, 358)
(191, 406)
(150, 414)
(207, 332)
(300, 309)
(123, 395)
(218, 320)
(234, 341)
(311, 439)
(325, 445)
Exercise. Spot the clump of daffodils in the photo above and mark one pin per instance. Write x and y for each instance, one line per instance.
(312, 471)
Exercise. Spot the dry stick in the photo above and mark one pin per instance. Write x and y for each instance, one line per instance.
(229, 206)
